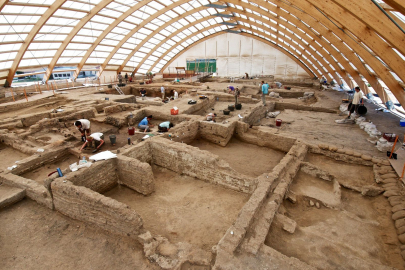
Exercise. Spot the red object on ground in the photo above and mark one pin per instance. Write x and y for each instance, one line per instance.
(131, 130)
(278, 122)
(174, 112)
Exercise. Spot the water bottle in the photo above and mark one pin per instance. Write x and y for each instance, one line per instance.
(84, 159)
(129, 141)
(59, 172)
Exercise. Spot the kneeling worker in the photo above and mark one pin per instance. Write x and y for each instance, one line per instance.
(145, 123)
(165, 126)
(211, 117)
(98, 141)
(83, 125)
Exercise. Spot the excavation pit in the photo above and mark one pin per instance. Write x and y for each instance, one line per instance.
(360, 235)
(184, 209)
(10, 156)
(218, 108)
(347, 174)
(245, 158)
(41, 173)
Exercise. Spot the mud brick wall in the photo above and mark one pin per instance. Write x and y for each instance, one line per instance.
(83, 114)
(140, 151)
(118, 108)
(31, 119)
(191, 161)
(40, 159)
(83, 204)
(135, 175)
(216, 132)
(100, 177)
(185, 131)
(258, 112)
(34, 190)
(264, 137)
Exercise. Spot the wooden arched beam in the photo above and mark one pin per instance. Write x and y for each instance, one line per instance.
(94, 11)
(359, 29)
(34, 31)
(313, 17)
(253, 30)
(296, 60)
(132, 32)
(186, 27)
(151, 18)
(372, 17)
(398, 5)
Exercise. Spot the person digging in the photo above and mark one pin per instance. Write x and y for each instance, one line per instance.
(98, 139)
(145, 124)
(83, 125)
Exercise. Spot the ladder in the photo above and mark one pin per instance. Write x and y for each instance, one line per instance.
(119, 90)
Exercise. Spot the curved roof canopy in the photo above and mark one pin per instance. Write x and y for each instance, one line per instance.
(362, 40)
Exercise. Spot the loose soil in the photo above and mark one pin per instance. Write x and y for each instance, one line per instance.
(35, 237)
(245, 158)
(360, 235)
(10, 156)
(184, 209)
(41, 173)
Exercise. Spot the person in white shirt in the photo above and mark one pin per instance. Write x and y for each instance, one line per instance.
(357, 99)
(162, 90)
(83, 125)
(176, 95)
(98, 141)
(211, 117)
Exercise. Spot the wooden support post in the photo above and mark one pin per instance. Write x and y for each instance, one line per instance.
(12, 94)
(73, 83)
(47, 86)
(53, 89)
(56, 87)
(35, 86)
(25, 94)
(39, 88)
(67, 84)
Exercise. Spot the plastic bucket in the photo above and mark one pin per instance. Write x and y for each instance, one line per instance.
(107, 98)
(113, 139)
(278, 122)
(131, 131)
(231, 107)
(402, 122)
(238, 106)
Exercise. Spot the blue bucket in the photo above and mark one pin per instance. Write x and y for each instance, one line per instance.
(402, 122)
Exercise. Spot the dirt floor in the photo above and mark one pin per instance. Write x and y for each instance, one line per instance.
(219, 107)
(360, 235)
(35, 237)
(10, 156)
(41, 173)
(245, 158)
(52, 104)
(315, 128)
(346, 173)
(184, 209)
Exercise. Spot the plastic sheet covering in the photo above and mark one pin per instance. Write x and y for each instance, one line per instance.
(103, 156)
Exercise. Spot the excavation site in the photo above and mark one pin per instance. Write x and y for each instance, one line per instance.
(202, 135)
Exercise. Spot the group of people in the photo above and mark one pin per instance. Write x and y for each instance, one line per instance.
(146, 124)
(83, 125)
(128, 78)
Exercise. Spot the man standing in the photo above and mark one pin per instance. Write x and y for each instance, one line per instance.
(143, 93)
(126, 77)
(119, 78)
(175, 94)
(83, 125)
(265, 91)
(237, 94)
(357, 98)
(162, 90)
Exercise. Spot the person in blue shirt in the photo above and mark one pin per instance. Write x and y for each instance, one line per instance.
(230, 89)
(145, 123)
(265, 91)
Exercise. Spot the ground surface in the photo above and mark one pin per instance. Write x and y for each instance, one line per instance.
(10, 156)
(35, 237)
(184, 209)
(360, 235)
(245, 158)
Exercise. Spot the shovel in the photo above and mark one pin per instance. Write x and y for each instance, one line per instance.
(391, 153)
